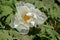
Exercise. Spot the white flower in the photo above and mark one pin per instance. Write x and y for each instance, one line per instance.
(26, 16)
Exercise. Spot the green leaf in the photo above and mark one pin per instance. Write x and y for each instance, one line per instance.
(39, 4)
(0, 24)
(59, 0)
(9, 19)
(48, 3)
(6, 10)
(47, 31)
(25, 37)
(14, 33)
(4, 2)
(54, 13)
(4, 35)
(50, 32)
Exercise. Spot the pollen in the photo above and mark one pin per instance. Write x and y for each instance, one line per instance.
(25, 17)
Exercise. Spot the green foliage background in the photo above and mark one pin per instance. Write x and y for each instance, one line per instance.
(50, 30)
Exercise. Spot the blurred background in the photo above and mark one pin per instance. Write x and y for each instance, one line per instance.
(50, 30)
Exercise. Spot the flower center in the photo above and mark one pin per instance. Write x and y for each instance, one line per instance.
(25, 17)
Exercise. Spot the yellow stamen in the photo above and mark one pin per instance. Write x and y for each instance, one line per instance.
(25, 17)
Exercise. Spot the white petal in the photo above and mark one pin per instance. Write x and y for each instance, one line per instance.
(29, 14)
(35, 16)
(29, 5)
(39, 16)
(22, 29)
(33, 23)
(18, 4)
(15, 26)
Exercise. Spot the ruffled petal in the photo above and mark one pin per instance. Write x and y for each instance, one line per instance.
(29, 5)
(22, 29)
(37, 17)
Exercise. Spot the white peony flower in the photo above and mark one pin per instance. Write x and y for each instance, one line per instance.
(26, 16)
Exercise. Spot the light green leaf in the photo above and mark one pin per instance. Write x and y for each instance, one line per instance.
(14, 33)
(0, 24)
(39, 4)
(47, 31)
(54, 13)
(4, 2)
(48, 3)
(25, 37)
(9, 19)
(6, 10)
(59, 0)
(4, 35)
